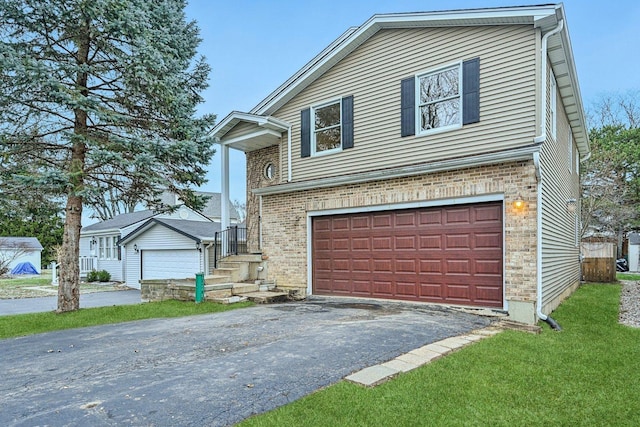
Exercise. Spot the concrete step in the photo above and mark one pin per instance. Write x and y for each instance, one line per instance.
(236, 273)
(265, 297)
(215, 279)
(243, 258)
(243, 288)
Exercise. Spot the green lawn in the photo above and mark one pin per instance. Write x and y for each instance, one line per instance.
(27, 324)
(627, 276)
(40, 286)
(586, 375)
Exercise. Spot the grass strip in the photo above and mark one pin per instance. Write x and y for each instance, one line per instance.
(586, 375)
(34, 323)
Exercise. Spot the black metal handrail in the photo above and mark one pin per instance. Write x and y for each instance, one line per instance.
(232, 241)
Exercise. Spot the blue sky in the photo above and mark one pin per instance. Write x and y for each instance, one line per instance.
(254, 46)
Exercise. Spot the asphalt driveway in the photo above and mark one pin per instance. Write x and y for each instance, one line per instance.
(211, 370)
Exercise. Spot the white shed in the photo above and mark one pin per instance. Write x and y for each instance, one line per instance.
(21, 249)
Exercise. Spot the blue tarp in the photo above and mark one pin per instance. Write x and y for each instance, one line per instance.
(24, 268)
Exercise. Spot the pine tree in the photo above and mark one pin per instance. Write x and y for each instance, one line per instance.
(99, 94)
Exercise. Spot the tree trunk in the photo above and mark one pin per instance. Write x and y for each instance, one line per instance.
(69, 286)
(69, 279)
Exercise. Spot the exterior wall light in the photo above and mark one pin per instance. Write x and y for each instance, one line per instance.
(198, 246)
(572, 205)
(518, 203)
(135, 248)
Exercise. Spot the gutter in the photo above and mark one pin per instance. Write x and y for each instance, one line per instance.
(536, 160)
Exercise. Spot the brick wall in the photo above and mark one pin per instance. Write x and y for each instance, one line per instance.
(284, 217)
(256, 163)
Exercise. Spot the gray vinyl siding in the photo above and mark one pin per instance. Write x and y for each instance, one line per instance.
(372, 74)
(560, 255)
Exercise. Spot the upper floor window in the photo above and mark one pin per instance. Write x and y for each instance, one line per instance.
(327, 128)
(439, 101)
(446, 98)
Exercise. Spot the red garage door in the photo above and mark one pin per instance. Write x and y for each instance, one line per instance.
(449, 255)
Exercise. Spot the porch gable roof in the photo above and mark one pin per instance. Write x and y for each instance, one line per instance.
(265, 131)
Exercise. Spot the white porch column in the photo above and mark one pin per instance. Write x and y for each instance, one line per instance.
(224, 181)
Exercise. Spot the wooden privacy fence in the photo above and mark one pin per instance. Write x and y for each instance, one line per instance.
(599, 262)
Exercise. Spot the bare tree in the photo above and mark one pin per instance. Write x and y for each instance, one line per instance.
(241, 208)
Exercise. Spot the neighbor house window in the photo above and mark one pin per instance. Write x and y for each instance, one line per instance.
(107, 251)
(116, 248)
(101, 247)
(439, 100)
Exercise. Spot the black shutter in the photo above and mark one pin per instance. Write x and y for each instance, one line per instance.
(347, 122)
(408, 107)
(471, 91)
(305, 132)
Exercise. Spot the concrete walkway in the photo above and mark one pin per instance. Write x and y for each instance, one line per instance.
(96, 299)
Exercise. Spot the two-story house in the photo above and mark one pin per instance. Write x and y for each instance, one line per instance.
(426, 157)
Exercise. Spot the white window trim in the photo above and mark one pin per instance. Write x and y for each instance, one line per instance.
(554, 105)
(418, 119)
(313, 127)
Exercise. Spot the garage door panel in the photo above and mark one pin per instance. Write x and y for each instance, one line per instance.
(381, 243)
(406, 289)
(405, 266)
(383, 288)
(450, 255)
(490, 267)
(457, 216)
(430, 218)
(382, 220)
(407, 219)
(488, 213)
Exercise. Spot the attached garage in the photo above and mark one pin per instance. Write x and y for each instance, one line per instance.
(170, 264)
(449, 255)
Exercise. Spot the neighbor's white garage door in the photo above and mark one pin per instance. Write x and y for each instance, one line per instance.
(170, 264)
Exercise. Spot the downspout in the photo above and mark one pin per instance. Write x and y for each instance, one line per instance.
(289, 154)
(536, 161)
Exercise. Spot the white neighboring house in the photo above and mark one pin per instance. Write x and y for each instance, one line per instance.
(102, 245)
(168, 248)
(29, 246)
